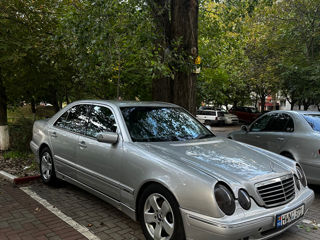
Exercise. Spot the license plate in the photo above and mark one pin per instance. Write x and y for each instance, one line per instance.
(286, 218)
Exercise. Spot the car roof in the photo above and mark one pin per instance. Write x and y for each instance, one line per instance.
(296, 111)
(129, 103)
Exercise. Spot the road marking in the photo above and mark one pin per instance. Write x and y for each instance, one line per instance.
(81, 229)
(7, 176)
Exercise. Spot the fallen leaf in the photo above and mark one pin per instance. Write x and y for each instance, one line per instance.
(89, 225)
(300, 226)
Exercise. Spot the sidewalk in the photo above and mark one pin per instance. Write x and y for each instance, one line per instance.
(23, 218)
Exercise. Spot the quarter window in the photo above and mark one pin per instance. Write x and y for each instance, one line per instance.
(101, 120)
(61, 122)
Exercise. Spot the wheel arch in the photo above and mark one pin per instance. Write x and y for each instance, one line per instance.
(143, 187)
(288, 154)
(42, 146)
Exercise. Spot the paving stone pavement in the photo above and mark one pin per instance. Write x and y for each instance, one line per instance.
(22, 218)
(102, 219)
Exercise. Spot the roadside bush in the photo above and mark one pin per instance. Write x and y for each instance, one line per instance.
(20, 134)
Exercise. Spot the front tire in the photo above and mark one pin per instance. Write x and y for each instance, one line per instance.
(47, 170)
(159, 215)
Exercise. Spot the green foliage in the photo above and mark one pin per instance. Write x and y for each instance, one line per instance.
(223, 79)
(15, 155)
(63, 50)
(21, 134)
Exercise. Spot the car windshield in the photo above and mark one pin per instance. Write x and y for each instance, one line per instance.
(155, 124)
(313, 120)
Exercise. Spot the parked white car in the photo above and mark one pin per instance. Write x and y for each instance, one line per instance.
(210, 117)
(230, 119)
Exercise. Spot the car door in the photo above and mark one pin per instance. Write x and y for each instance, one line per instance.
(278, 130)
(64, 134)
(255, 134)
(100, 163)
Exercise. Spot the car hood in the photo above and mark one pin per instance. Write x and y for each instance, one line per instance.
(222, 158)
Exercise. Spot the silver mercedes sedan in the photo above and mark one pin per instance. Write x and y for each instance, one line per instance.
(293, 134)
(159, 165)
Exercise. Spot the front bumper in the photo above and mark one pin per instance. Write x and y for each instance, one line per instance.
(242, 226)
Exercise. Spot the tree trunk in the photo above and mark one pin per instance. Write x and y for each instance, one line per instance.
(4, 130)
(179, 21)
(292, 106)
(263, 102)
(184, 25)
(162, 87)
(33, 108)
(162, 90)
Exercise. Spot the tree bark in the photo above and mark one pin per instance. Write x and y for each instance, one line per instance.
(4, 130)
(3, 103)
(184, 23)
(179, 21)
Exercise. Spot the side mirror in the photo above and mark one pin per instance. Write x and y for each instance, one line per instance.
(244, 128)
(108, 137)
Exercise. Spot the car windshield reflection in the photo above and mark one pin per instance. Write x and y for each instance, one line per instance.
(160, 124)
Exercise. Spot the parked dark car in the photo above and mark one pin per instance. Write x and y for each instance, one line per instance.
(245, 114)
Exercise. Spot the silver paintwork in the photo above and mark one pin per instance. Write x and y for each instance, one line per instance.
(302, 143)
(108, 137)
(117, 173)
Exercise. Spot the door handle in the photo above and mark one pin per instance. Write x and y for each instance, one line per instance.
(82, 144)
(280, 138)
(53, 134)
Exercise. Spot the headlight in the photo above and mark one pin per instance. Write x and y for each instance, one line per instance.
(301, 176)
(244, 199)
(225, 199)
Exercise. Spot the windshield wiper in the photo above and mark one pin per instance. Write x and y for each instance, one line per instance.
(205, 136)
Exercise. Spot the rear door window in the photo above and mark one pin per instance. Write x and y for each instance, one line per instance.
(277, 123)
(75, 119)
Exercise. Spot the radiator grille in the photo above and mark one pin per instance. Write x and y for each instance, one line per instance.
(277, 191)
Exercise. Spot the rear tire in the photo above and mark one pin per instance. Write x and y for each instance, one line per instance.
(159, 214)
(47, 170)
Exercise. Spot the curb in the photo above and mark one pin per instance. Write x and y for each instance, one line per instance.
(21, 180)
(7, 176)
(17, 180)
